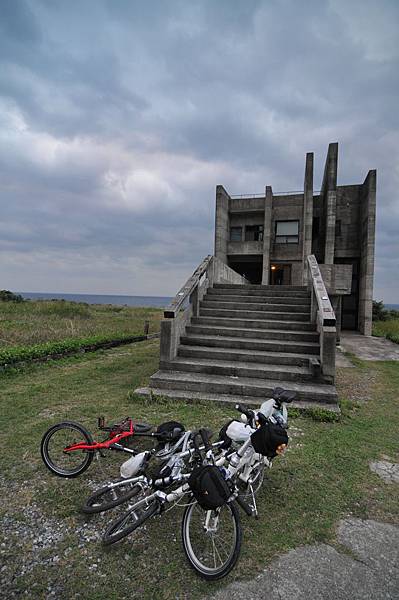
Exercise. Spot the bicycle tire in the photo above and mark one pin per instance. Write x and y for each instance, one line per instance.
(97, 502)
(114, 533)
(50, 459)
(196, 561)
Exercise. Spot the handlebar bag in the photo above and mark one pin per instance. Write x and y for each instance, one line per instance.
(209, 487)
(267, 438)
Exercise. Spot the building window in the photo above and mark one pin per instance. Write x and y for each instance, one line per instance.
(235, 234)
(287, 232)
(254, 233)
(338, 228)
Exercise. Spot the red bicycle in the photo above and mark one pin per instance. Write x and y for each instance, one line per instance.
(66, 454)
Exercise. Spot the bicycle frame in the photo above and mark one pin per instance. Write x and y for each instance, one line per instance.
(112, 443)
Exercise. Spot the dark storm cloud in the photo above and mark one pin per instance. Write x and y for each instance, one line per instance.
(117, 120)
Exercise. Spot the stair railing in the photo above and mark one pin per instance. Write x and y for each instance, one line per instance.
(185, 304)
(322, 313)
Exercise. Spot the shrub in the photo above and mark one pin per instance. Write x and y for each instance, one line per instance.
(379, 311)
(7, 296)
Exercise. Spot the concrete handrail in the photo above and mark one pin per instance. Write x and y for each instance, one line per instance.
(326, 311)
(178, 314)
(173, 307)
(323, 314)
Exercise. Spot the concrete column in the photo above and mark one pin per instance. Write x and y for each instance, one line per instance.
(329, 194)
(267, 235)
(307, 219)
(222, 232)
(367, 228)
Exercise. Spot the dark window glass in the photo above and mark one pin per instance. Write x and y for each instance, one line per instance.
(235, 234)
(254, 233)
(338, 228)
(287, 232)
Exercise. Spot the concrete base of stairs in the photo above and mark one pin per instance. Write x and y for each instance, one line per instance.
(229, 399)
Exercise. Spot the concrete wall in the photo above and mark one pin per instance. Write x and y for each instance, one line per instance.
(347, 244)
(222, 230)
(329, 197)
(367, 243)
(307, 217)
(286, 208)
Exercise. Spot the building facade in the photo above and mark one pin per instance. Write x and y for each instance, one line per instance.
(268, 238)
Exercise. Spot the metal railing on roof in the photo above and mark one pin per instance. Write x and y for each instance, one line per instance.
(289, 193)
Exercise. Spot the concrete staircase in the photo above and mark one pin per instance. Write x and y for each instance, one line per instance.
(247, 340)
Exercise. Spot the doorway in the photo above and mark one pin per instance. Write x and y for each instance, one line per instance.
(280, 274)
(248, 265)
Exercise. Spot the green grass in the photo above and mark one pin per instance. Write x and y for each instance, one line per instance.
(323, 477)
(388, 329)
(38, 322)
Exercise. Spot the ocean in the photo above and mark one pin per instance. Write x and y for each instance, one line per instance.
(392, 306)
(153, 301)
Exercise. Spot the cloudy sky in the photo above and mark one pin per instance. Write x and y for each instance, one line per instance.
(119, 117)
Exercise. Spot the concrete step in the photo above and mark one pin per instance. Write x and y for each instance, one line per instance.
(248, 323)
(267, 288)
(238, 369)
(240, 386)
(281, 296)
(264, 334)
(252, 314)
(218, 302)
(230, 400)
(240, 354)
(251, 344)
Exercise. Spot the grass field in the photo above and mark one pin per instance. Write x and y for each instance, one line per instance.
(388, 329)
(49, 547)
(35, 322)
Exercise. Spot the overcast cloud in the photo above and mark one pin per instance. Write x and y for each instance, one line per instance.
(118, 118)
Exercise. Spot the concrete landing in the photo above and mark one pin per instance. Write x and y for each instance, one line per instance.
(320, 572)
(369, 347)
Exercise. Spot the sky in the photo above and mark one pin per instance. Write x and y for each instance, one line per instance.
(118, 118)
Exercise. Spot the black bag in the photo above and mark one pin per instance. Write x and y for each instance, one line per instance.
(209, 487)
(267, 438)
(170, 431)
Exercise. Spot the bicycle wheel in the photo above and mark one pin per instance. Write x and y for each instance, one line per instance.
(212, 539)
(110, 496)
(53, 444)
(130, 520)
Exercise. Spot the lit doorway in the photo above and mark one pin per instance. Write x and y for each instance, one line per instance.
(280, 274)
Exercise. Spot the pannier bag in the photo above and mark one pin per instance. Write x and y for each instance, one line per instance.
(209, 487)
(267, 439)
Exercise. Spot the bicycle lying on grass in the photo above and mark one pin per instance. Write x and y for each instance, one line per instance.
(213, 479)
(68, 448)
(230, 473)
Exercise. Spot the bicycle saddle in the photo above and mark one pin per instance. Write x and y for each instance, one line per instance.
(141, 427)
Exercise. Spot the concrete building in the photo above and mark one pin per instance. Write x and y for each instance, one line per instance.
(268, 237)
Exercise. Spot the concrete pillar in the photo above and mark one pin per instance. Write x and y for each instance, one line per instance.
(307, 219)
(222, 232)
(329, 194)
(367, 243)
(267, 235)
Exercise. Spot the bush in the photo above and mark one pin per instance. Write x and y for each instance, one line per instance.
(7, 296)
(379, 311)
(17, 354)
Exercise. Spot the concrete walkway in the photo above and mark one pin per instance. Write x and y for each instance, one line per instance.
(369, 348)
(368, 570)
